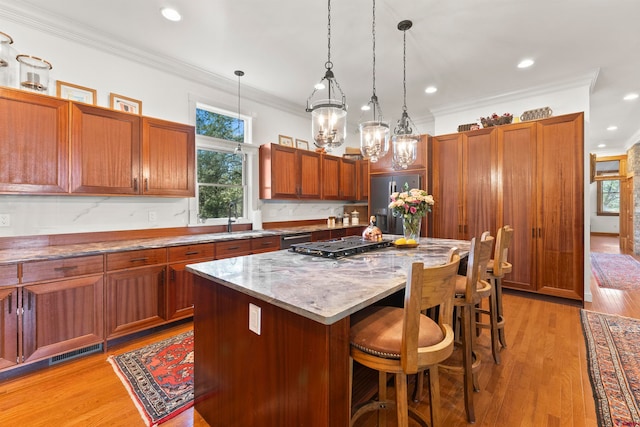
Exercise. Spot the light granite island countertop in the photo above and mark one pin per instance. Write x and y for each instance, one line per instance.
(271, 331)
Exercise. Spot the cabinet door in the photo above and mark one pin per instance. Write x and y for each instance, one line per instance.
(478, 183)
(8, 327)
(168, 158)
(135, 300)
(330, 177)
(362, 168)
(309, 167)
(348, 179)
(179, 292)
(278, 172)
(447, 189)
(560, 233)
(105, 151)
(517, 189)
(34, 143)
(62, 316)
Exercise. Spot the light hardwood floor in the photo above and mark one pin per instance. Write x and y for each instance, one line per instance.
(542, 380)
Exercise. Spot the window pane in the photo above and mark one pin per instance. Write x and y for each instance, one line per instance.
(219, 125)
(216, 167)
(214, 201)
(610, 196)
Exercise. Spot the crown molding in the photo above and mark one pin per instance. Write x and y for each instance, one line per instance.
(64, 28)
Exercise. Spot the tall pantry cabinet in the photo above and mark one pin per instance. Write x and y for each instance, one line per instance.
(528, 175)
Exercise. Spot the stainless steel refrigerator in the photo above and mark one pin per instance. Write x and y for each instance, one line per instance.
(381, 189)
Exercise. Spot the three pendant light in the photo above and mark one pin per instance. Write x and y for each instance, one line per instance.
(329, 114)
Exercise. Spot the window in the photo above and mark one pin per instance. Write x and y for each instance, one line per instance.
(609, 197)
(221, 181)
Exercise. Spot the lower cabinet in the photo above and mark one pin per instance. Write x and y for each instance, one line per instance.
(8, 326)
(61, 316)
(180, 283)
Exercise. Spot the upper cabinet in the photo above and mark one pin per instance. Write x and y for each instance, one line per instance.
(49, 145)
(291, 173)
(34, 143)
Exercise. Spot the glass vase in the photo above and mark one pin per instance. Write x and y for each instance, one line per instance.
(411, 227)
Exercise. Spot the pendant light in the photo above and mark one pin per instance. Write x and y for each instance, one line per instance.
(374, 134)
(328, 115)
(405, 142)
(238, 73)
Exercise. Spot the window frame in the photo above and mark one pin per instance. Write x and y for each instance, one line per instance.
(600, 210)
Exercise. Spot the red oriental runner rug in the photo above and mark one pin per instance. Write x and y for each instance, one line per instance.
(159, 377)
(613, 345)
(616, 271)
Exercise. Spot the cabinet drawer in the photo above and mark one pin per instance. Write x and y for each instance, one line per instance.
(60, 268)
(8, 274)
(320, 235)
(265, 244)
(233, 248)
(182, 253)
(129, 259)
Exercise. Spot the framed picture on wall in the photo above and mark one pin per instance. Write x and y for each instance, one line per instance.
(285, 140)
(75, 93)
(123, 103)
(302, 144)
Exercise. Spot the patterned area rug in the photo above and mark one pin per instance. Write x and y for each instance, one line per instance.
(613, 346)
(616, 271)
(159, 377)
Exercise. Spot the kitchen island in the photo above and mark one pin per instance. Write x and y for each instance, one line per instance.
(272, 331)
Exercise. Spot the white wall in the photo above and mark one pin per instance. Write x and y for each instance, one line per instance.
(165, 95)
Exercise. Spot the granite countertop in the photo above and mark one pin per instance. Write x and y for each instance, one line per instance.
(324, 289)
(14, 255)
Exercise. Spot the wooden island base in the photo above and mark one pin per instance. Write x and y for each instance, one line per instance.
(296, 372)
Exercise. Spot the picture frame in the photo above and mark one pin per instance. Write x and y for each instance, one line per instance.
(125, 104)
(287, 141)
(76, 93)
(302, 144)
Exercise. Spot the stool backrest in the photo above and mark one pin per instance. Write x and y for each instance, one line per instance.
(503, 241)
(427, 287)
(479, 256)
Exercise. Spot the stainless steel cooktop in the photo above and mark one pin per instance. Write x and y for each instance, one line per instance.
(338, 248)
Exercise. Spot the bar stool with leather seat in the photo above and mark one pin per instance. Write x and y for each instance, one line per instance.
(470, 290)
(496, 269)
(404, 341)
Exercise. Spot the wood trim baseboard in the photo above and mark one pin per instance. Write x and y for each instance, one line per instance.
(596, 233)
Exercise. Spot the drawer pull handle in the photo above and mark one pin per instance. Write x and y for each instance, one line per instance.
(266, 243)
(233, 248)
(135, 184)
(192, 253)
(68, 268)
(139, 259)
(10, 302)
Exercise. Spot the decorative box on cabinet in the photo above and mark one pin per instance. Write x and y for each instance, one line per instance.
(34, 143)
(180, 284)
(62, 306)
(289, 173)
(135, 295)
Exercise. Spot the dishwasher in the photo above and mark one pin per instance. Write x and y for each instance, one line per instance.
(286, 240)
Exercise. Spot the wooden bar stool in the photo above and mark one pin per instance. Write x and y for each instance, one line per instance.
(496, 269)
(470, 290)
(403, 341)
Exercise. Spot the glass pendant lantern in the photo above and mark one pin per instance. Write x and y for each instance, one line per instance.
(374, 134)
(6, 60)
(328, 115)
(405, 141)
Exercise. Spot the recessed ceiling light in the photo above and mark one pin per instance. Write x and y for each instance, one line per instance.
(630, 96)
(602, 145)
(525, 63)
(431, 89)
(612, 128)
(171, 14)
(365, 107)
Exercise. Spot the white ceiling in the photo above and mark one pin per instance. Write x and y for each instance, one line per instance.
(469, 49)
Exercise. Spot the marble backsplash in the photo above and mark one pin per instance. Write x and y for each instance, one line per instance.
(40, 215)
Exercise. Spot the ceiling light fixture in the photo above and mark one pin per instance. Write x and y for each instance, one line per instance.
(374, 134)
(238, 149)
(602, 145)
(171, 14)
(612, 128)
(405, 142)
(630, 96)
(431, 89)
(525, 63)
(328, 115)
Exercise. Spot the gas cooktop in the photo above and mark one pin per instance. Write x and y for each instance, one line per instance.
(338, 248)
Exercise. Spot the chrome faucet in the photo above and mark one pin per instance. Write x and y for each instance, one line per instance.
(232, 205)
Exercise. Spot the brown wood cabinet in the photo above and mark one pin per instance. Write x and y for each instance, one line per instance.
(626, 215)
(362, 172)
(265, 244)
(463, 184)
(289, 173)
(8, 326)
(34, 143)
(180, 284)
(136, 295)
(541, 176)
(339, 178)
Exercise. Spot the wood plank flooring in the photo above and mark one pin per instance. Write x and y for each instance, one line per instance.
(542, 380)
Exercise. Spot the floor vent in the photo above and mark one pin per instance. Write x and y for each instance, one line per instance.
(75, 353)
